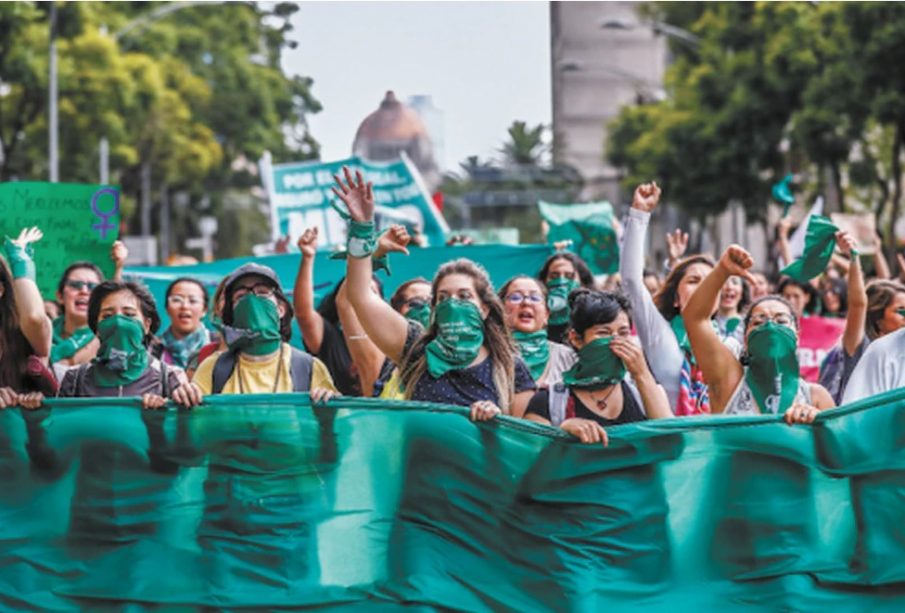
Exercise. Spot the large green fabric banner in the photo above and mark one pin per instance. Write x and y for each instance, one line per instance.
(501, 261)
(266, 502)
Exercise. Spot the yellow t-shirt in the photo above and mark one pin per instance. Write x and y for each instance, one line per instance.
(258, 377)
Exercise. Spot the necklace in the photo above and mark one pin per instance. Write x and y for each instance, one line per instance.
(601, 402)
(276, 379)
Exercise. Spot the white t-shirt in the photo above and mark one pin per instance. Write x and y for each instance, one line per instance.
(881, 368)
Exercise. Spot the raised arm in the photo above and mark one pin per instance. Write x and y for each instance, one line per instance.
(310, 321)
(119, 253)
(657, 338)
(857, 296)
(368, 359)
(384, 326)
(881, 266)
(782, 234)
(722, 371)
(33, 321)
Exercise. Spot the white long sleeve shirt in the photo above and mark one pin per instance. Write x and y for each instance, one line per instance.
(881, 368)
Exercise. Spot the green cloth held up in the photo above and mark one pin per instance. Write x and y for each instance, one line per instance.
(590, 228)
(782, 194)
(818, 249)
(21, 259)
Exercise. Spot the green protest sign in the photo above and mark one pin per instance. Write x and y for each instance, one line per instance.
(590, 228)
(300, 198)
(79, 222)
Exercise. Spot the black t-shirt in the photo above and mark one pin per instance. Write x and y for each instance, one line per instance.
(558, 333)
(465, 386)
(631, 410)
(336, 357)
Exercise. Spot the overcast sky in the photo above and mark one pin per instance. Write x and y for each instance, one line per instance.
(485, 64)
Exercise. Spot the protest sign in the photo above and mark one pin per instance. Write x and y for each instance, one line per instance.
(79, 222)
(817, 335)
(862, 227)
(300, 198)
(590, 228)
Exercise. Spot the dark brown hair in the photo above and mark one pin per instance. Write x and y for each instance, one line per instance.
(145, 303)
(880, 294)
(581, 268)
(666, 297)
(14, 347)
(397, 300)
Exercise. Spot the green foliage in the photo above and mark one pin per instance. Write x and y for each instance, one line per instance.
(773, 87)
(194, 92)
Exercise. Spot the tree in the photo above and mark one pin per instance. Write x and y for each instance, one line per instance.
(525, 145)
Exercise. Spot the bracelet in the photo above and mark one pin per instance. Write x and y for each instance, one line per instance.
(20, 260)
(359, 337)
(362, 239)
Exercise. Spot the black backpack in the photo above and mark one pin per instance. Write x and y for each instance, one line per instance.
(301, 367)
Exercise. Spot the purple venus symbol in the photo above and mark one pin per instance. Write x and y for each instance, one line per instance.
(104, 226)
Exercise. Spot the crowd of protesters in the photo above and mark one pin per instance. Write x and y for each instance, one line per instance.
(712, 335)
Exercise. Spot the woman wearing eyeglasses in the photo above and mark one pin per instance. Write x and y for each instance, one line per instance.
(766, 379)
(526, 314)
(73, 341)
(186, 305)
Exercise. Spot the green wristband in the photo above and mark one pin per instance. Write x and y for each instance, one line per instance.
(362, 239)
(20, 260)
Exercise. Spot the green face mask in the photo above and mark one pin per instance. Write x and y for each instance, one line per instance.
(773, 374)
(256, 326)
(597, 366)
(460, 334)
(420, 312)
(535, 350)
(558, 291)
(122, 357)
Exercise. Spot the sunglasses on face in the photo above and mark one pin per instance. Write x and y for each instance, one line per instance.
(80, 285)
(519, 297)
(415, 303)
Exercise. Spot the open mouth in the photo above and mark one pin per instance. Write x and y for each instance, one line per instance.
(526, 317)
(184, 318)
(81, 304)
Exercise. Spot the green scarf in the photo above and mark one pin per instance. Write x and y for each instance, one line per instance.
(256, 326)
(678, 328)
(460, 334)
(421, 313)
(122, 357)
(64, 348)
(597, 367)
(773, 374)
(818, 249)
(182, 349)
(535, 350)
(21, 259)
(558, 291)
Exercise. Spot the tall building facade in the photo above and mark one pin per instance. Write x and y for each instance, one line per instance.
(602, 57)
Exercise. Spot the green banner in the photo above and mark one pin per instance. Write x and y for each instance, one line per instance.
(590, 228)
(501, 261)
(266, 502)
(300, 198)
(79, 222)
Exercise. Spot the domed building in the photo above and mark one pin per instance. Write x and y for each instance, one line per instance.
(392, 129)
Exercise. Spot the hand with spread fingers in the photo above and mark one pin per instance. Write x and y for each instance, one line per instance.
(357, 195)
(28, 236)
(484, 410)
(585, 430)
(800, 413)
(677, 245)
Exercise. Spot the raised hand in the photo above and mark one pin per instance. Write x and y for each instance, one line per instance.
(646, 197)
(394, 240)
(784, 226)
(846, 243)
(357, 195)
(735, 261)
(307, 242)
(119, 253)
(585, 430)
(28, 236)
(677, 245)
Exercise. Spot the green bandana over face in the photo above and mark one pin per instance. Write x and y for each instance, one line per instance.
(256, 326)
(558, 291)
(773, 374)
(122, 357)
(460, 334)
(597, 366)
(420, 312)
(818, 249)
(64, 348)
(535, 350)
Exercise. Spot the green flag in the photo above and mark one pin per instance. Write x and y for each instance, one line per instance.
(590, 228)
(782, 194)
(79, 222)
(818, 249)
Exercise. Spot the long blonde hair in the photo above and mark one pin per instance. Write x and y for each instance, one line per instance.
(496, 336)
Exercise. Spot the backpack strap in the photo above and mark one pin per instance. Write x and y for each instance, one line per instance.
(557, 399)
(223, 370)
(301, 369)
